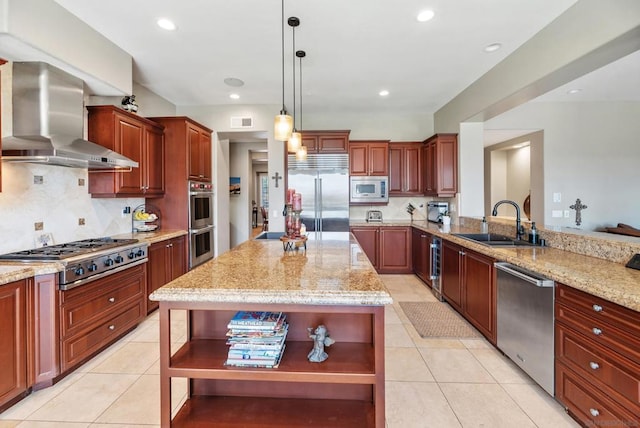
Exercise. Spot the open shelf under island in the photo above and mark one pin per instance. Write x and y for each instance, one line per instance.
(332, 283)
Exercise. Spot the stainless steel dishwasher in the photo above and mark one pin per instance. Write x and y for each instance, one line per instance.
(525, 322)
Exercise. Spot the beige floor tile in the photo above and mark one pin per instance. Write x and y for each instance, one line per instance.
(391, 315)
(140, 404)
(540, 406)
(41, 424)
(500, 367)
(86, 399)
(122, 426)
(98, 359)
(484, 405)
(132, 358)
(9, 424)
(39, 398)
(417, 405)
(435, 342)
(480, 343)
(406, 364)
(396, 336)
(455, 365)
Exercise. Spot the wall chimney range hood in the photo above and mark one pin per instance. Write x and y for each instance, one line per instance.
(48, 118)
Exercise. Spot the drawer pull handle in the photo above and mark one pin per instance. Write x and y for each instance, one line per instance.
(597, 308)
(594, 412)
(596, 331)
(112, 299)
(594, 366)
(112, 327)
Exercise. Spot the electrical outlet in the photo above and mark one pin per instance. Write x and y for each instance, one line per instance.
(126, 211)
(557, 197)
(452, 208)
(39, 225)
(38, 179)
(81, 221)
(80, 182)
(567, 213)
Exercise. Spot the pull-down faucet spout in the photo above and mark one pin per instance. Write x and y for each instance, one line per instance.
(519, 228)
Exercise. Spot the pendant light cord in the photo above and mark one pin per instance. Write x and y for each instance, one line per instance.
(294, 77)
(300, 56)
(283, 111)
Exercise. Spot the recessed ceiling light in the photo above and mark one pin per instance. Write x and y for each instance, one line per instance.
(166, 24)
(232, 81)
(383, 93)
(492, 47)
(234, 96)
(425, 15)
(574, 91)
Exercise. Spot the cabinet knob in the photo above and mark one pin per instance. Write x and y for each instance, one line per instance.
(594, 366)
(112, 299)
(596, 331)
(597, 308)
(112, 327)
(594, 412)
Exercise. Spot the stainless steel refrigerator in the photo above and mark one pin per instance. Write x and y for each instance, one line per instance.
(323, 182)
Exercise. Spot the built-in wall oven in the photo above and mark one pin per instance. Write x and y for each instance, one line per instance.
(201, 225)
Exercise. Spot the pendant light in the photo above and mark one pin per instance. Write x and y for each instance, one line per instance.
(295, 140)
(283, 123)
(301, 153)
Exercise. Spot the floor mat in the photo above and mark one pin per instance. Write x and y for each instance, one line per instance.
(437, 319)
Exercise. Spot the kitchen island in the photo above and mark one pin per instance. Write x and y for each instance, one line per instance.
(331, 283)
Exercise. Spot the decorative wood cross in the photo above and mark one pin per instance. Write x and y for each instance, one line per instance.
(578, 207)
(277, 177)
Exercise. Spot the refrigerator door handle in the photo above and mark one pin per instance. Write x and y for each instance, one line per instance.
(316, 224)
(319, 203)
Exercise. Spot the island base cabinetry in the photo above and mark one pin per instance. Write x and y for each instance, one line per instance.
(346, 390)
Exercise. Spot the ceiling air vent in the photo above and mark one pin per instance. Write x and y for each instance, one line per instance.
(241, 122)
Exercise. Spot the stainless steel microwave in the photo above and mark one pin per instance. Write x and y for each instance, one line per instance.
(369, 189)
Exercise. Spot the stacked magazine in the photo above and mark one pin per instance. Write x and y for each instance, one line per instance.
(256, 339)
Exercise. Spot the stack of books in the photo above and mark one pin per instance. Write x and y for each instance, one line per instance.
(256, 339)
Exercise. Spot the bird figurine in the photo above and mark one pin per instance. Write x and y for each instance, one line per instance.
(321, 339)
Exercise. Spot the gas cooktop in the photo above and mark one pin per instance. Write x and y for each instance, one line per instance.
(67, 250)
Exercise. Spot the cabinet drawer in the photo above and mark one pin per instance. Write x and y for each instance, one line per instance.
(79, 347)
(616, 376)
(600, 309)
(601, 332)
(77, 314)
(589, 405)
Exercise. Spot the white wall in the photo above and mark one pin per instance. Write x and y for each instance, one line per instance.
(518, 175)
(591, 152)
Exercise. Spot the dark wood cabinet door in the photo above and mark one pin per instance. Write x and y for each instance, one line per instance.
(310, 141)
(395, 250)
(178, 257)
(193, 138)
(368, 238)
(154, 161)
(429, 174)
(379, 159)
(333, 143)
(420, 254)
(447, 165)
(358, 159)
(412, 169)
(480, 293)
(157, 271)
(13, 342)
(129, 139)
(396, 170)
(205, 149)
(451, 274)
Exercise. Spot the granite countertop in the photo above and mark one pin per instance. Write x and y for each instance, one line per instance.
(611, 281)
(333, 271)
(11, 271)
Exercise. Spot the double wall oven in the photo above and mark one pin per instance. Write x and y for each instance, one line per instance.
(200, 222)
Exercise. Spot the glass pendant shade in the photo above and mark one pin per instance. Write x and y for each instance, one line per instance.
(295, 142)
(283, 126)
(301, 154)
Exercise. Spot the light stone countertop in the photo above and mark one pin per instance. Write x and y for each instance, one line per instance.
(11, 271)
(611, 281)
(333, 271)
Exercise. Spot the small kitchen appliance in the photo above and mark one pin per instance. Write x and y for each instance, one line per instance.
(435, 211)
(374, 216)
(369, 190)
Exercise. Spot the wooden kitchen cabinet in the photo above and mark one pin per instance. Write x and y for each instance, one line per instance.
(326, 142)
(597, 358)
(138, 139)
(94, 315)
(369, 157)
(468, 285)
(420, 244)
(440, 172)
(405, 169)
(167, 261)
(387, 247)
(13, 342)
(186, 143)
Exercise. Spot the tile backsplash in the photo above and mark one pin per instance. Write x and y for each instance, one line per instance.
(61, 202)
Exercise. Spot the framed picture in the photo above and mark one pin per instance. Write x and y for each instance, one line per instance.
(234, 185)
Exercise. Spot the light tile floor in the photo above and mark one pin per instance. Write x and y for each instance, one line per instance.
(437, 383)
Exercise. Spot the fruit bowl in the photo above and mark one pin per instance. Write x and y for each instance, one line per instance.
(145, 218)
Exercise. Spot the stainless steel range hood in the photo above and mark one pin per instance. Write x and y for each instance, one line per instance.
(48, 117)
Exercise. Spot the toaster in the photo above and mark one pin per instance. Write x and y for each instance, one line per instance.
(374, 216)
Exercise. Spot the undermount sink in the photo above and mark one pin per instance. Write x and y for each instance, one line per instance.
(269, 235)
(494, 240)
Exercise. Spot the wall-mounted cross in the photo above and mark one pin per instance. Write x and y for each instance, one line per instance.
(578, 206)
(277, 177)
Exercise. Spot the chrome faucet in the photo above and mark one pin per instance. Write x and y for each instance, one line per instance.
(519, 227)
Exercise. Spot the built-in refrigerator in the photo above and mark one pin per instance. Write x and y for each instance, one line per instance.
(323, 182)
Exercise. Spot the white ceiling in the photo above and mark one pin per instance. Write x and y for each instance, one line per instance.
(354, 48)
